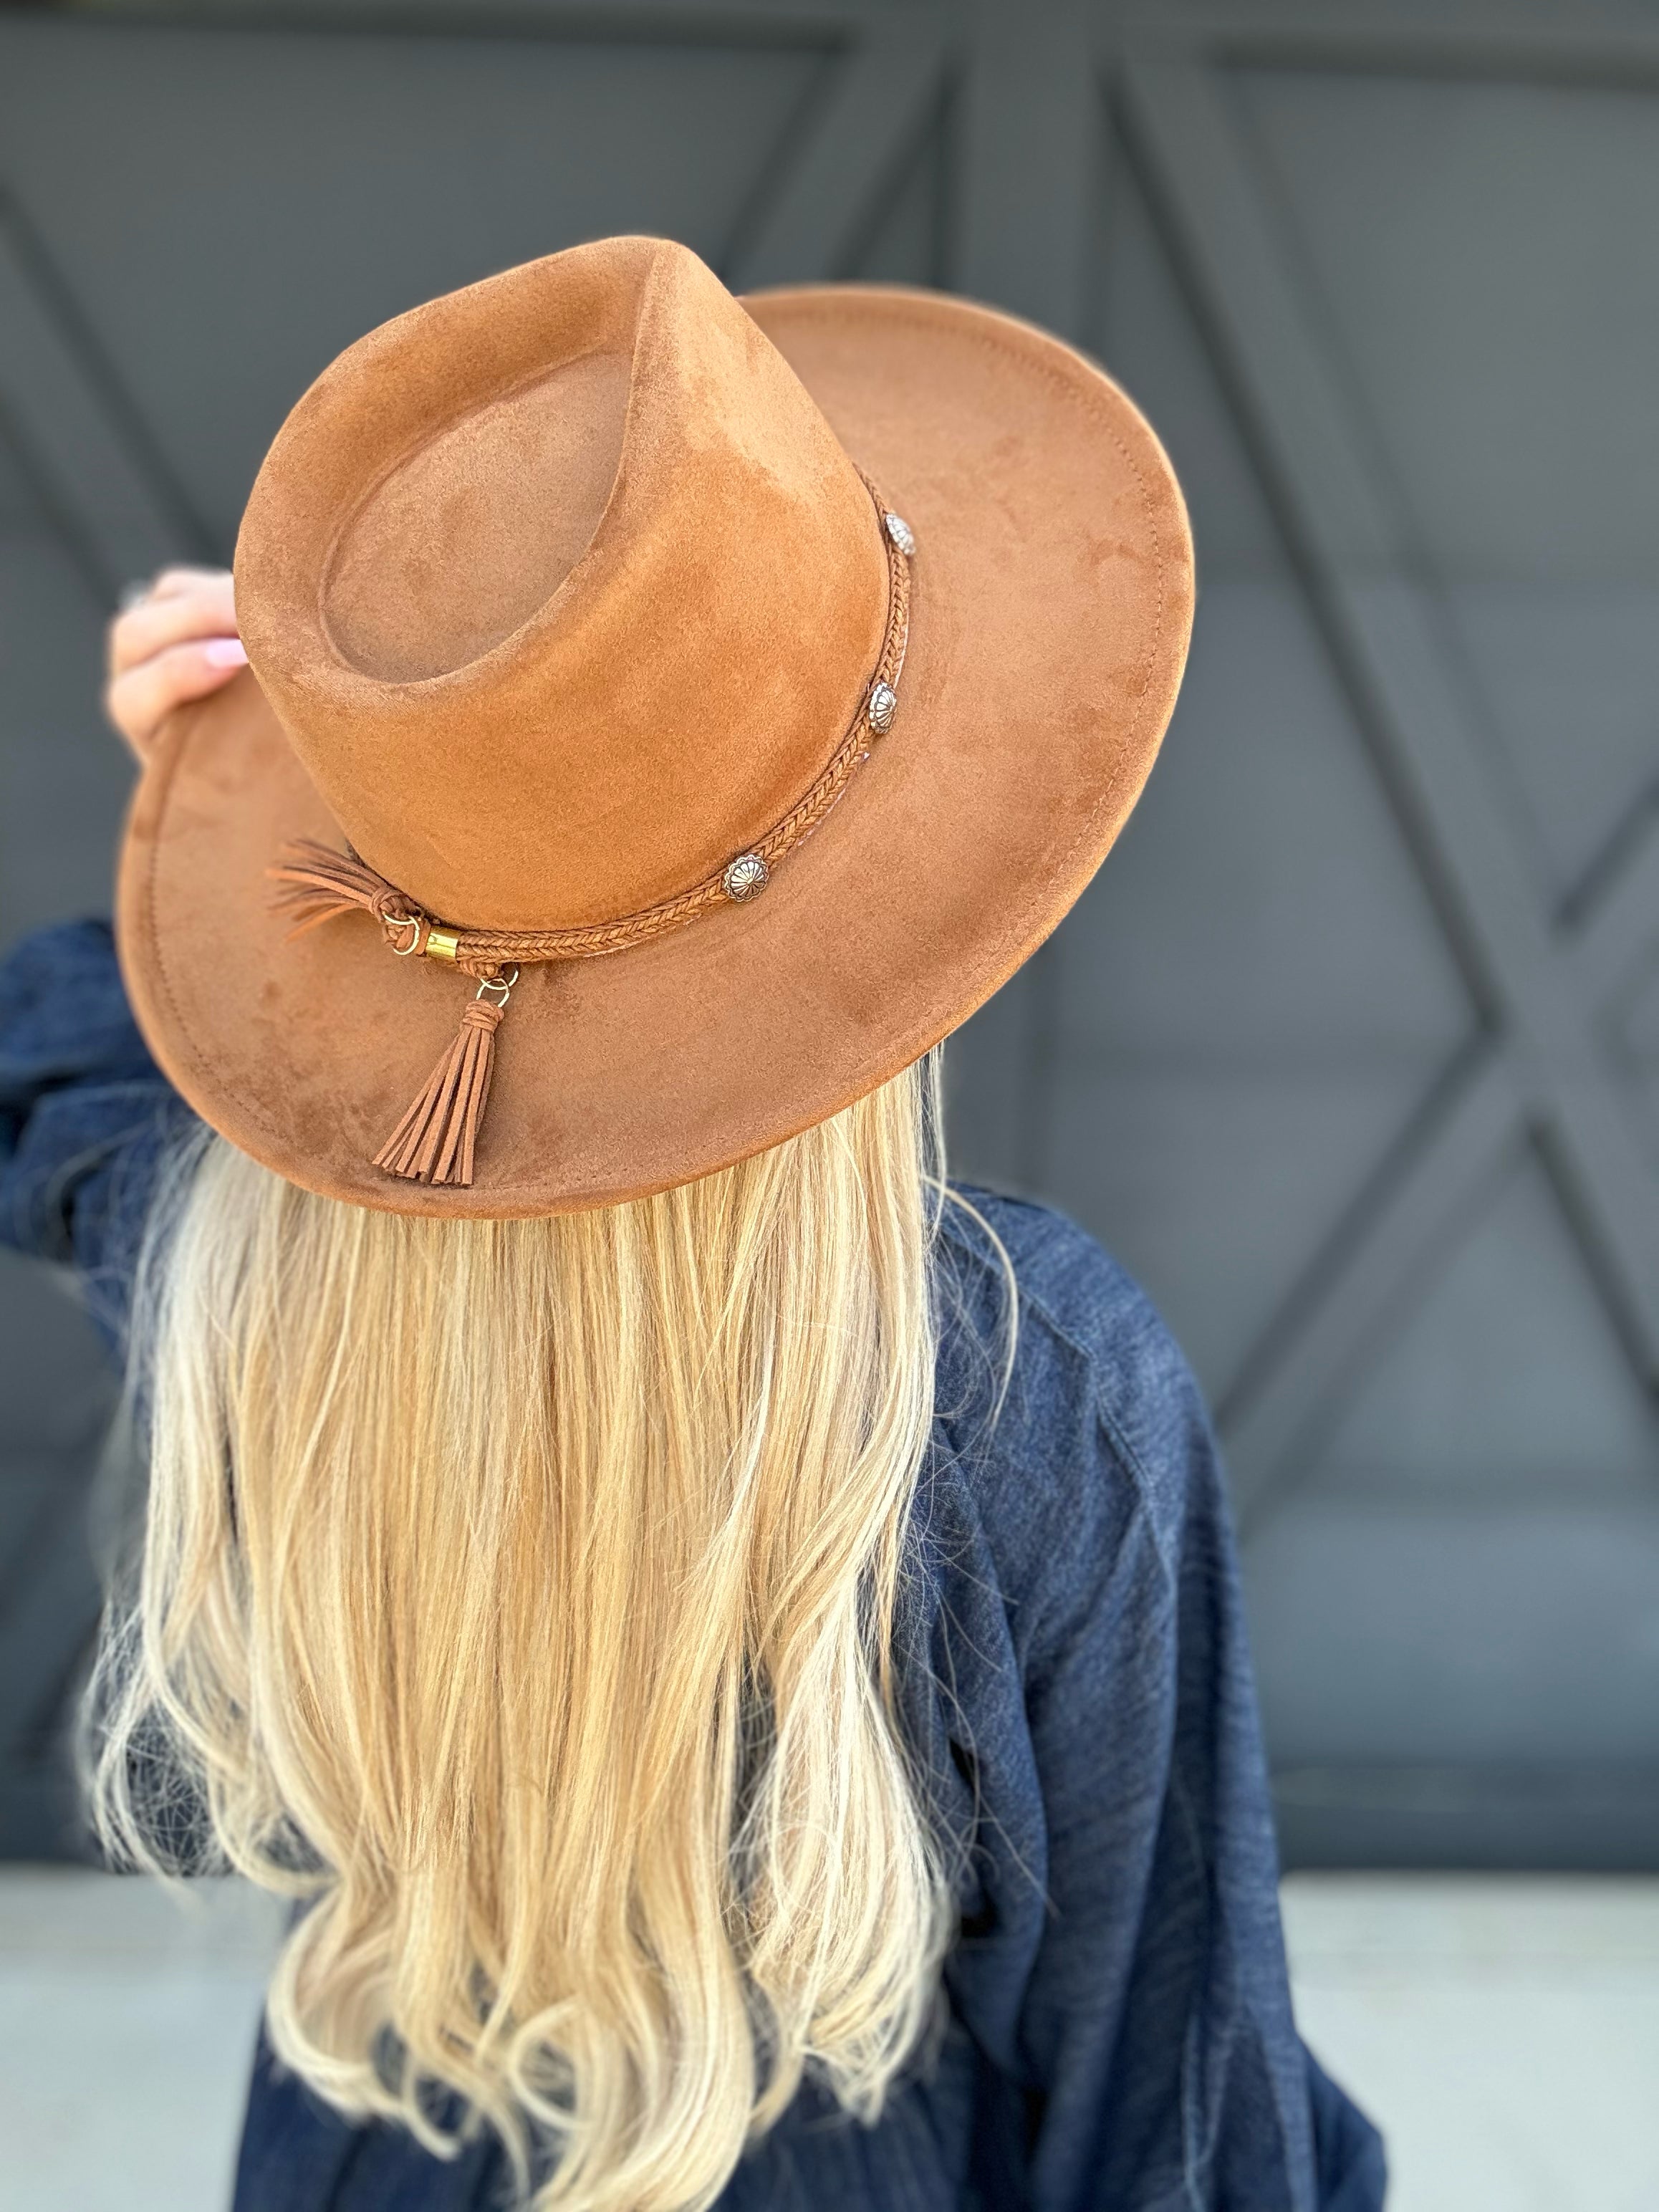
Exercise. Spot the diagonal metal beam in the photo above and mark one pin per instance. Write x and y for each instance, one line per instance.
(1391, 1238)
(75, 433)
(1613, 1183)
(1351, 538)
(887, 82)
(1387, 1244)
(1622, 925)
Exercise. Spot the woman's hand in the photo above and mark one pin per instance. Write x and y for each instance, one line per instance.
(175, 643)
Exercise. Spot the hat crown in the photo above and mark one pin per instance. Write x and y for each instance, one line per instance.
(562, 588)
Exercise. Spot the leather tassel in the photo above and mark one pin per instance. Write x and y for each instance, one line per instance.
(317, 883)
(435, 1140)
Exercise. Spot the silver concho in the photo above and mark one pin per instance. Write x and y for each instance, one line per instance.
(901, 533)
(883, 703)
(746, 876)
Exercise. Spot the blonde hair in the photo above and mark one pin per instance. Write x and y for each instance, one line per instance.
(522, 1593)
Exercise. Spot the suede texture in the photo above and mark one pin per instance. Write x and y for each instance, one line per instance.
(562, 587)
(599, 746)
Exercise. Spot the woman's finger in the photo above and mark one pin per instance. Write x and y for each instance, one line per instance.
(140, 699)
(206, 609)
(168, 583)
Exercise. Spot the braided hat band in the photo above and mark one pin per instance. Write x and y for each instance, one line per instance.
(437, 1139)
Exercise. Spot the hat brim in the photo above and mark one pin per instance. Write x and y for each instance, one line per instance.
(1052, 604)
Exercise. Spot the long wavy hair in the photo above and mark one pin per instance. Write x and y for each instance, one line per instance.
(521, 1595)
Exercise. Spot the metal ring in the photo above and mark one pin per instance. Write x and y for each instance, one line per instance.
(501, 983)
(404, 922)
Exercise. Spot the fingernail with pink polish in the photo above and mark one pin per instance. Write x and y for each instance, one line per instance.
(225, 653)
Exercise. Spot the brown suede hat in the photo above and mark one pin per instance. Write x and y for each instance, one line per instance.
(742, 691)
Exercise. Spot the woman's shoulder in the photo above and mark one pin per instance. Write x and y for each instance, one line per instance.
(1082, 1419)
(1069, 1285)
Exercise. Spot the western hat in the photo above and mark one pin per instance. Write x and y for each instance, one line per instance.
(667, 717)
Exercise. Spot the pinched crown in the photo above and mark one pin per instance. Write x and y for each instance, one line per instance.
(562, 588)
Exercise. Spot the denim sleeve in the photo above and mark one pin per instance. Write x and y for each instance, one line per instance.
(1155, 2032)
(85, 1114)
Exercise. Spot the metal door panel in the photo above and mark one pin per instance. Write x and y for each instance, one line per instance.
(1445, 1437)
(1484, 254)
(1352, 1053)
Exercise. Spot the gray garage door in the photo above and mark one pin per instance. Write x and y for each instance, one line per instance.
(1352, 1053)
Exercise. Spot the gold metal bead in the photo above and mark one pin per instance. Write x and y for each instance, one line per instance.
(441, 945)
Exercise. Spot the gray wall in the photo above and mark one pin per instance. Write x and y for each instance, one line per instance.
(1352, 1052)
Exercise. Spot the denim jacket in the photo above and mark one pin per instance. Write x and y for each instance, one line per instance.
(1075, 1684)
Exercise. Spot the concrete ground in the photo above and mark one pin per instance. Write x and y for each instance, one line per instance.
(127, 2019)
(1504, 2033)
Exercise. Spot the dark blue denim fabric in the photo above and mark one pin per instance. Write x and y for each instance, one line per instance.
(1076, 1684)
